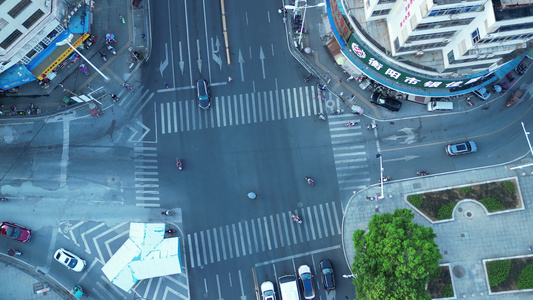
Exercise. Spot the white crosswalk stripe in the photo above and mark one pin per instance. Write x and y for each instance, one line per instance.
(146, 175)
(262, 234)
(241, 109)
(349, 152)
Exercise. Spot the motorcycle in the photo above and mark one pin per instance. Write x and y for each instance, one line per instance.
(350, 124)
(310, 181)
(510, 77)
(469, 102)
(83, 69)
(103, 56)
(521, 68)
(14, 252)
(322, 116)
(385, 179)
(321, 87)
(372, 126)
(114, 97)
(338, 111)
(127, 86)
(170, 231)
(179, 164)
(296, 219)
(167, 212)
(309, 77)
(422, 173)
(111, 49)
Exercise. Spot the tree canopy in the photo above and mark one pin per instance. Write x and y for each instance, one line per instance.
(395, 258)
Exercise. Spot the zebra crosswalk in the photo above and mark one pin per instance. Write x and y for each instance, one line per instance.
(146, 176)
(349, 152)
(241, 109)
(262, 234)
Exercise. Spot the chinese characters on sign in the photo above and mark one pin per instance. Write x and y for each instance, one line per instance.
(406, 12)
(402, 77)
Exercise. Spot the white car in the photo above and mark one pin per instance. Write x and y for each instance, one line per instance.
(482, 93)
(304, 272)
(267, 291)
(70, 260)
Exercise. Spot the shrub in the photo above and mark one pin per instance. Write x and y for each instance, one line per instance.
(498, 271)
(491, 204)
(445, 212)
(447, 291)
(510, 186)
(415, 200)
(464, 190)
(525, 279)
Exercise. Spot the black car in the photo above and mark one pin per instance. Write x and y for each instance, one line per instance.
(203, 94)
(389, 103)
(328, 277)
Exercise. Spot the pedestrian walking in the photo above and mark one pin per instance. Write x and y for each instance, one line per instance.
(166, 85)
(340, 80)
(230, 79)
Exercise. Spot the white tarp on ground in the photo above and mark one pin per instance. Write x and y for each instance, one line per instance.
(145, 254)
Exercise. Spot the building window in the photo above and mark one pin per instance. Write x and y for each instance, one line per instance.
(451, 23)
(380, 12)
(10, 39)
(422, 37)
(451, 57)
(34, 18)
(20, 7)
(475, 36)
(3, 23)
(455, 10)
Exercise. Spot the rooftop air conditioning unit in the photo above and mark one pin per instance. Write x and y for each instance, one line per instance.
(446, 41)
(420, 53)
(474, 52)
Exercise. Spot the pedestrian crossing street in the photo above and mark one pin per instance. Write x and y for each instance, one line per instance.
(349, 151)
(185, 115)
(262, 234)
(146, 175)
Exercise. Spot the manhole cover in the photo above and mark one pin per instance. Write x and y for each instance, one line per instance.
(361, 209)
(458, 271)
(460, 209)
(112, 180)
(469, 214)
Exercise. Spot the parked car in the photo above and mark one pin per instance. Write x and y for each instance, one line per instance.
(515, 98)
(203, 94)
(482, 93)
(15, 231)
(328, 276)
(389, 103)
(461, 148)
(70, 260)
(267, 291)
(304, 273)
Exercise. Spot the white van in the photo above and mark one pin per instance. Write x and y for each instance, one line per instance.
(440, 106)
(288, 287)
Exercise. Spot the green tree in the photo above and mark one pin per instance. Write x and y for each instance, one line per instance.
(395, 258)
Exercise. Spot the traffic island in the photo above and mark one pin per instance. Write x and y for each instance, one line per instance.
(497, 196)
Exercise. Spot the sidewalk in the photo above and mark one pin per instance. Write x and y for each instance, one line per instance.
(322, 64)
(118, 68)
(464, 241)
(19, 280)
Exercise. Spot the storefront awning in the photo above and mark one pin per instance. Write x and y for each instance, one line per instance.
(15, 76)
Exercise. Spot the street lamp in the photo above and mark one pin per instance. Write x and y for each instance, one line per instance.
(381, 174)
(66, 41)
(305, 7)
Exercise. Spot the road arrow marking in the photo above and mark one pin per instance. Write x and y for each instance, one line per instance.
(241, 62)
(214, 52)
(163, 65)
(409, 136)
(199, 60)
(181, 62)
(406, 158)
(262, 58)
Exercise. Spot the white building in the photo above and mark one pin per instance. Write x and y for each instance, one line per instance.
(25, 28)
(445, 38)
